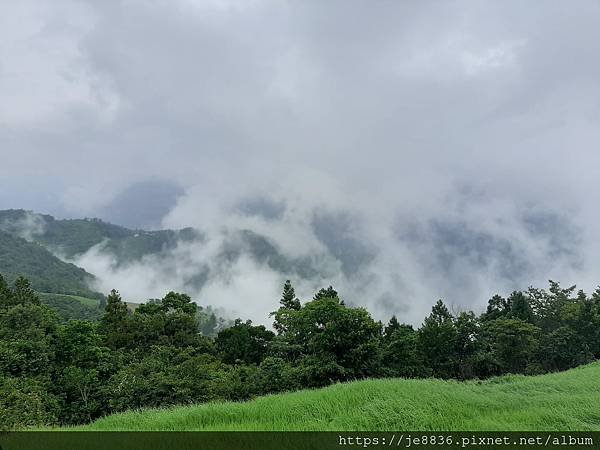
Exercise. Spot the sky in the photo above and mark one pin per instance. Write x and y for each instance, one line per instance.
(427, 149)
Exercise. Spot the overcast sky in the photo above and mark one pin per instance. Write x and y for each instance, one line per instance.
(445, 140)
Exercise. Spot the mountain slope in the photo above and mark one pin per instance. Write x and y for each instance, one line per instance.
(73, 306)
(46, 272)
(561, 401)
(72, 237)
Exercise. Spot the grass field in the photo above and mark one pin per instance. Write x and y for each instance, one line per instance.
(562, 401)
(83, 300)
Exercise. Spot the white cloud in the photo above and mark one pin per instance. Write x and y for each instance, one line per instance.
(397, 115)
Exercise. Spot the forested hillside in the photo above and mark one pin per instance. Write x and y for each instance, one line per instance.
(46, 272)
(73, 306)
(161, 354)
(72, 237)
(69, 238)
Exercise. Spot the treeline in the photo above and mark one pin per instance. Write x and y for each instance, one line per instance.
(68, 373)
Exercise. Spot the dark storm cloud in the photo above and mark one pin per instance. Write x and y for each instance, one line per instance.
(475, 123)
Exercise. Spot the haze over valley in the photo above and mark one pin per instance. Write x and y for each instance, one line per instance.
(402, 153)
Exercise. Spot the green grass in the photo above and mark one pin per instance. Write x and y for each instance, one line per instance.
(561, 401)
(72, 306)
(83, 300)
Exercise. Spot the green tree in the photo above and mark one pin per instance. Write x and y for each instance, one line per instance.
(399, 353)
(548, 306)
(326, 293)
(288, 305)
(27, 336)
(563, 349)
(84, 367)
(437, 342)
(243, 343)
(115, 324)
(23, 293)
(467, 344)
(278, 375)
(339, 342)
(26, 402)
(288, 298)
(181, 303)
(391, 327)
(5, 293)
(513, 343)
(520, 308)
(497, 308)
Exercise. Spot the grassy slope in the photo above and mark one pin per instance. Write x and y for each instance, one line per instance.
(562, 401)
(72, 306)
(93, 302)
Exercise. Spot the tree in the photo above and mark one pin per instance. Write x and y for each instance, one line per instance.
(25, 402)
(115, 324)
(243, 343)
(326, 293)
(399, 351)
(23, 293)
(116, 310)
(171, 321)
(177, 302)
(84, 367)
(391, 327)
(344, 339)
(519, 307)
(288, 305)
(512, 342)
(547, 306)
(288, 298)
(27, 337)
(467, 344)
(5, 293)
(497, 307)
(587, 323)
(436, 342)
(278, 375)
(563, 349)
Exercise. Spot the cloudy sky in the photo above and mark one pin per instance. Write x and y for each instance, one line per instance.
(436, 148)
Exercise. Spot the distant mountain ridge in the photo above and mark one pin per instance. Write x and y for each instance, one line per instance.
(73, 237)
(69, 238)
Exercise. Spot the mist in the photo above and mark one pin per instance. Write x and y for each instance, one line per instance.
(404, 152)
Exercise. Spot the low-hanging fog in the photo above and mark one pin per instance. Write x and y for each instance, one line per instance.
(404, 151)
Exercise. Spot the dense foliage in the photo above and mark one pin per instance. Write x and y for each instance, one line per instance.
(54, 372)
(73, 307)
(46, 272)
(557, 401)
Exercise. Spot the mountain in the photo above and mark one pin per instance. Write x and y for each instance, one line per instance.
(46, 272)
(72, 237)
(69, 238)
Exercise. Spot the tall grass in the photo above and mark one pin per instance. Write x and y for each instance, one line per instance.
(562, 401)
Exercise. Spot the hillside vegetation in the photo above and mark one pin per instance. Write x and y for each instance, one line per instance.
(46, 272)
(561, 401)
(72, 306)
(57, 373)
(72, 237)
